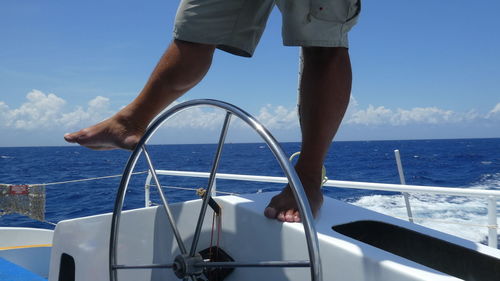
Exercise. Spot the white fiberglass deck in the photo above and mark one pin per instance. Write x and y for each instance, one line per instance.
(247, 235)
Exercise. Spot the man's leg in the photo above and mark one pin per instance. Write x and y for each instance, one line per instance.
(325, 88)
(182, 66)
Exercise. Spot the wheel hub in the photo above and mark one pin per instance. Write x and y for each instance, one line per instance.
(185, 266)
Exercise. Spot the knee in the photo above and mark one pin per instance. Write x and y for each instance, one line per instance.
(193, 45)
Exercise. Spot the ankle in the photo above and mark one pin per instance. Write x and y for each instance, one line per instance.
(309, 170)
(130, 121)
(311, 182)
(138, 112)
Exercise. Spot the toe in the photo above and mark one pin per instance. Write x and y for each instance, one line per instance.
(281, 217)
(70, 137)
(296, 216)
(290, 216)
(78, 137)
(270, 212)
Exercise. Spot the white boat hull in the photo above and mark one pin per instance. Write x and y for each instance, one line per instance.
(145, 238)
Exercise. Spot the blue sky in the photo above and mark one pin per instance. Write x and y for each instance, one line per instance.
(422, 69)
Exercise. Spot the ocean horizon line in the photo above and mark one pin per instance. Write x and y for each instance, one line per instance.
(253, 142)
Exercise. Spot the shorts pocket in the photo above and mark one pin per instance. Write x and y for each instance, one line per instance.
(341, 11)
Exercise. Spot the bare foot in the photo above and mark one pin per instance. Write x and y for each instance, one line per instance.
(283, 206)
(115, 132)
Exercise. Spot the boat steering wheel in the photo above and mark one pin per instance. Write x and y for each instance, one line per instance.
(189, 264)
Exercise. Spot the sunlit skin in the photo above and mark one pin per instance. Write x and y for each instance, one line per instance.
(324, 95)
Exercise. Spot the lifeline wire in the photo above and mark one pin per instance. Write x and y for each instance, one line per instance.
(194, 189)
(90, 179)
(116, 176)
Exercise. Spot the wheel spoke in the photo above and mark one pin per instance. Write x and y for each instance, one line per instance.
(211, 180)
(254, 264)
(142, 266)
(170, 217)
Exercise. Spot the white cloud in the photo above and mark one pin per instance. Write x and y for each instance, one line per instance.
(370, 116)
(424, 115)
(97, 110)
(382, 115)
(471, 115)
(494, 113)
(46, 111)
(278, 117)
(272, 117)
(197, 118)
(39, 111)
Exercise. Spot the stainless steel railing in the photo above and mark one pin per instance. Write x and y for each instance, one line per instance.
(492, 196)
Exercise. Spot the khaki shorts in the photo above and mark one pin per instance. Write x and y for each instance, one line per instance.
(236, 26)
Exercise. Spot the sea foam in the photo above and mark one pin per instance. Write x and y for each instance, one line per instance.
(464, 217)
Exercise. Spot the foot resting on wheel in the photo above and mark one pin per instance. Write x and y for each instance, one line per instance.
(116, 132)
(120, 131)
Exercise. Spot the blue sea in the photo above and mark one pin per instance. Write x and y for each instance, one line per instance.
(468, 163)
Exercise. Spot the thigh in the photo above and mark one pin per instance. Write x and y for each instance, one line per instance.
(232, 25)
